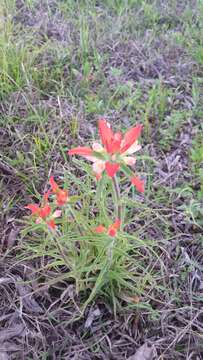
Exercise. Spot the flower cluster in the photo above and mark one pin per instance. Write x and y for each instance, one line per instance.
(44, 211)
(114, 153)
(112, 229)
(92, 247)
(61, 195)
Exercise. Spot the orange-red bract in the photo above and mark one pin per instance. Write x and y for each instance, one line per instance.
(42, 211)
(130, 137)
(61, 195)
(139, 184)
(54, 185)
(34, 208)
(100, 229)
(106, 134)
(117, 150)
(112, 229)
(46, 195)
(51, 224)
(81, 150)
(111, 168)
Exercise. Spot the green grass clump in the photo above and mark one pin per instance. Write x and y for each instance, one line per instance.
(12, 69)
(116, 268)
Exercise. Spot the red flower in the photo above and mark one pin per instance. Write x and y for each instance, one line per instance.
(112, 229)
(113, 143)
(110, 141)
(100, 229)
(42, 211)
(139, 184)
(130, 138)
(111, 168)
(51, 224)
(61, 195)
(54, 185)
(81, 150)
(114, 154)
(46, 195)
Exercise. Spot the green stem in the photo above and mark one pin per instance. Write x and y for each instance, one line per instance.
(74, 218)
(117, 197)
(60, 249)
